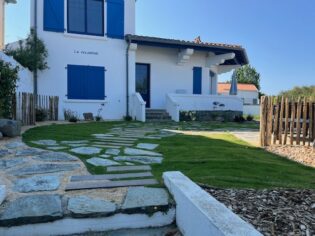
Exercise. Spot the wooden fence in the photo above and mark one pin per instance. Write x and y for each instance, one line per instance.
(283, 121)
(25, 106)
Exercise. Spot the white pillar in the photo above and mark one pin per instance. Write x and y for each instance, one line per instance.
(132, 72)
(205, 81)
(213, 83)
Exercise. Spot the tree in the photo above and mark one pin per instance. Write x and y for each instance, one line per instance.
(31, 53)
(247, 75)
(296, 92)
(8, 79)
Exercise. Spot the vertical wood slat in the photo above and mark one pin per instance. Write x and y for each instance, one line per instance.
(276, 122)
(269, 114)
(286, 122)
(304, 124)
(262, 121)
(292, 125)
(311, 123)
(281, 121)
(298, 122)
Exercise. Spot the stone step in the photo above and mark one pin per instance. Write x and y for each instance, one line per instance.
(109, 184)
(128, 168)
(110, 176)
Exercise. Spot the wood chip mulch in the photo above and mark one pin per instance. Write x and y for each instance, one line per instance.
(272, 212)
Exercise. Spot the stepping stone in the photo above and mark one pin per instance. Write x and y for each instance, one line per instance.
(44, 168)
(57, 148)
(110, 176)
(32, 209)
(106, 146)
(112, 151)
(47, 142)
(15, 145)
(4, 152)
(134, 151)
(119, 139)
(113, 144)
(86, 150)
(83, 206)
(129, 164)
(28, 152)
(140, 159)
(114, 141)
(153, 137)
(128, 168)
(95, 161)
(11, 162)
(3, 193)
(148, 146)
(75, 142)
(56, 157)
(109, 184)
(140, 197)
(105, 156)
(37, 183)
(102, 135)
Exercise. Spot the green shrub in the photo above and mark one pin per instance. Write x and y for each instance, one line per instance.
(127, 118)
(41, 114)
(239, 119)
(249, 118)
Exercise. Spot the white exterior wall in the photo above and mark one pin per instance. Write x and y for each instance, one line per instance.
(65, 49)
(246, 96)
(167, 77)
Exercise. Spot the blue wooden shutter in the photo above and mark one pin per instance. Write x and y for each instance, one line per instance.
(197, 80)
(86, 82)
(54, 15)
(115, 19)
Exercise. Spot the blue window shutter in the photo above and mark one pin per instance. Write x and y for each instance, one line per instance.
(54, 15)
(197, 80)
(116, 19)
(86, 82)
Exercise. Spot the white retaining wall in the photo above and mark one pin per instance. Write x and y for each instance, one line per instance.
(253, 110)
(198, 213)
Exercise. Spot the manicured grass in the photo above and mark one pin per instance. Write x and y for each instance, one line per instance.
(217, 160)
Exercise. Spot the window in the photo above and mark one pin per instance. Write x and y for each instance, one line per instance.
(86, 17)
(86, 82)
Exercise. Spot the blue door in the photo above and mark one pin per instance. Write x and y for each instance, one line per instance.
(197, 80)
(143, 81)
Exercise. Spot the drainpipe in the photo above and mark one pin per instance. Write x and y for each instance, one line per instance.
(35, 74)
(127, 77)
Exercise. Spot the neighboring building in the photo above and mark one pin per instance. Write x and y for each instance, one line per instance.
(96, 58)
(247, 92)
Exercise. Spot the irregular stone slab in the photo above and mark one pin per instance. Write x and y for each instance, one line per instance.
(102, 135)
(86, 150)
(127, 168)
(134, 151)
(118, 139)
(95, 161)
(29, 152)
(148, 146)
(47, 142)
(4, 152)
(10, 128)
(109, 184)
(110, 176)
(44, 168)
(15, 145)
(75, 142)
(112, 151)
(3, 193)
(114, 141)
(11, 162)
(84, 205)
(140, 159)
(57, 148)
(153, 137)
(56, 157)
(114, 144)
(37, 183)
(105, 156)
(129, 164)
(139, 197)
(32, 209)
(106, 146)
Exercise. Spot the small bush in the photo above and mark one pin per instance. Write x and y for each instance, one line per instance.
(70, 116)
(41, 114)
(73, 119)
(98, 118)
(239, 119)
(249, 118)
(127, 118)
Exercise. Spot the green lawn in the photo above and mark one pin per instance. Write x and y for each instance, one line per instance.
(217, 160)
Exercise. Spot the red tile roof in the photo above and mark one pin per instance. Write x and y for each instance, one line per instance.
(225, 87)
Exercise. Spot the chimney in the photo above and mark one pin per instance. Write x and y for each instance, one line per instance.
(197, 40)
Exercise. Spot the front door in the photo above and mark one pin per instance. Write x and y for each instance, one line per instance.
(143, 81)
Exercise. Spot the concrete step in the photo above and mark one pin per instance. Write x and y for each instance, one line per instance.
(157, 115)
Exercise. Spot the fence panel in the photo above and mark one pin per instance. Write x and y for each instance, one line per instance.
(284, 121)
(25, 106)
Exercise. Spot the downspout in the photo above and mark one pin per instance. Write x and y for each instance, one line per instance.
(127, 77)
(35, 75)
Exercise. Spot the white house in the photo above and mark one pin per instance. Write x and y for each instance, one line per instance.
(95, 57)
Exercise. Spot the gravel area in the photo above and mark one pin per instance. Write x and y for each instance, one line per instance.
(272, 212)
(301, 154)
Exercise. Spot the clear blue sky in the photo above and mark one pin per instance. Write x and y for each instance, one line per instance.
(279, 35)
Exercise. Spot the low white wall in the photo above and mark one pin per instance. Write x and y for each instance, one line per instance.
(172, 108)
(198, 213)
(25, 82)
(137, 107)
(192, 102)
(253, 110)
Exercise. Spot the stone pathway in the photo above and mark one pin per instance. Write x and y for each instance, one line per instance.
(40, 185)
